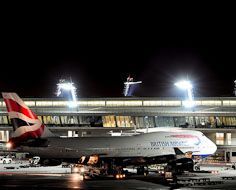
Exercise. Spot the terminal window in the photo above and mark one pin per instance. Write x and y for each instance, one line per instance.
(228, 138)
(220, 138)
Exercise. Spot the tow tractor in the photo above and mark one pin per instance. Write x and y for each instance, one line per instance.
(91, 172)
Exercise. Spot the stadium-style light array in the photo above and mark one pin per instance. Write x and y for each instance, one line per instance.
(187, 85)
(130, 81)
(67, 86)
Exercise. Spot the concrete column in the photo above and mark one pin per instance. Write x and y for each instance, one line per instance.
(7, 136)
(1, 135)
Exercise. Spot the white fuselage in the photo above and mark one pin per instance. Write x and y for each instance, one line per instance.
(141, 145)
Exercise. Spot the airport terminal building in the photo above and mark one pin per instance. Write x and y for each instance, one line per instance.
(214, 116)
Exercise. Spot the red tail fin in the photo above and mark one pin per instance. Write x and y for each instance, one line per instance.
(25, 122)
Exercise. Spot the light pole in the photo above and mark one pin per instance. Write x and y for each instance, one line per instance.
(186, 85)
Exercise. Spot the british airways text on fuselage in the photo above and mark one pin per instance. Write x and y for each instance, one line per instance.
(169, 143)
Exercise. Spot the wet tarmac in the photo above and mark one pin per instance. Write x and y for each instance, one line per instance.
(71, 181)
(75, 181)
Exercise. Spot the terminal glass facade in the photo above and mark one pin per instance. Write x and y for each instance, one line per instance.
(131, 121)
(120, 113)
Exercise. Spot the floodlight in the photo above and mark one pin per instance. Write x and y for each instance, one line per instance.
(68, 86)
(186, 85)
(128, 90)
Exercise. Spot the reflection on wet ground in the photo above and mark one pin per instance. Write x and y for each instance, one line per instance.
(71, 181)
(75, 181)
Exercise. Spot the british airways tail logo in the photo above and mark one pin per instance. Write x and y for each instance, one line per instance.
(25, 122)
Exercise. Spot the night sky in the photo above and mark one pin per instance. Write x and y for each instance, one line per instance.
(98, 51)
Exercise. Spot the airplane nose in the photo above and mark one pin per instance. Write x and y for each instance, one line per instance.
(214, 148)
(211, 146)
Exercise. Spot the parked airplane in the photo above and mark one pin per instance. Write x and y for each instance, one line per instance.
(32, 136)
